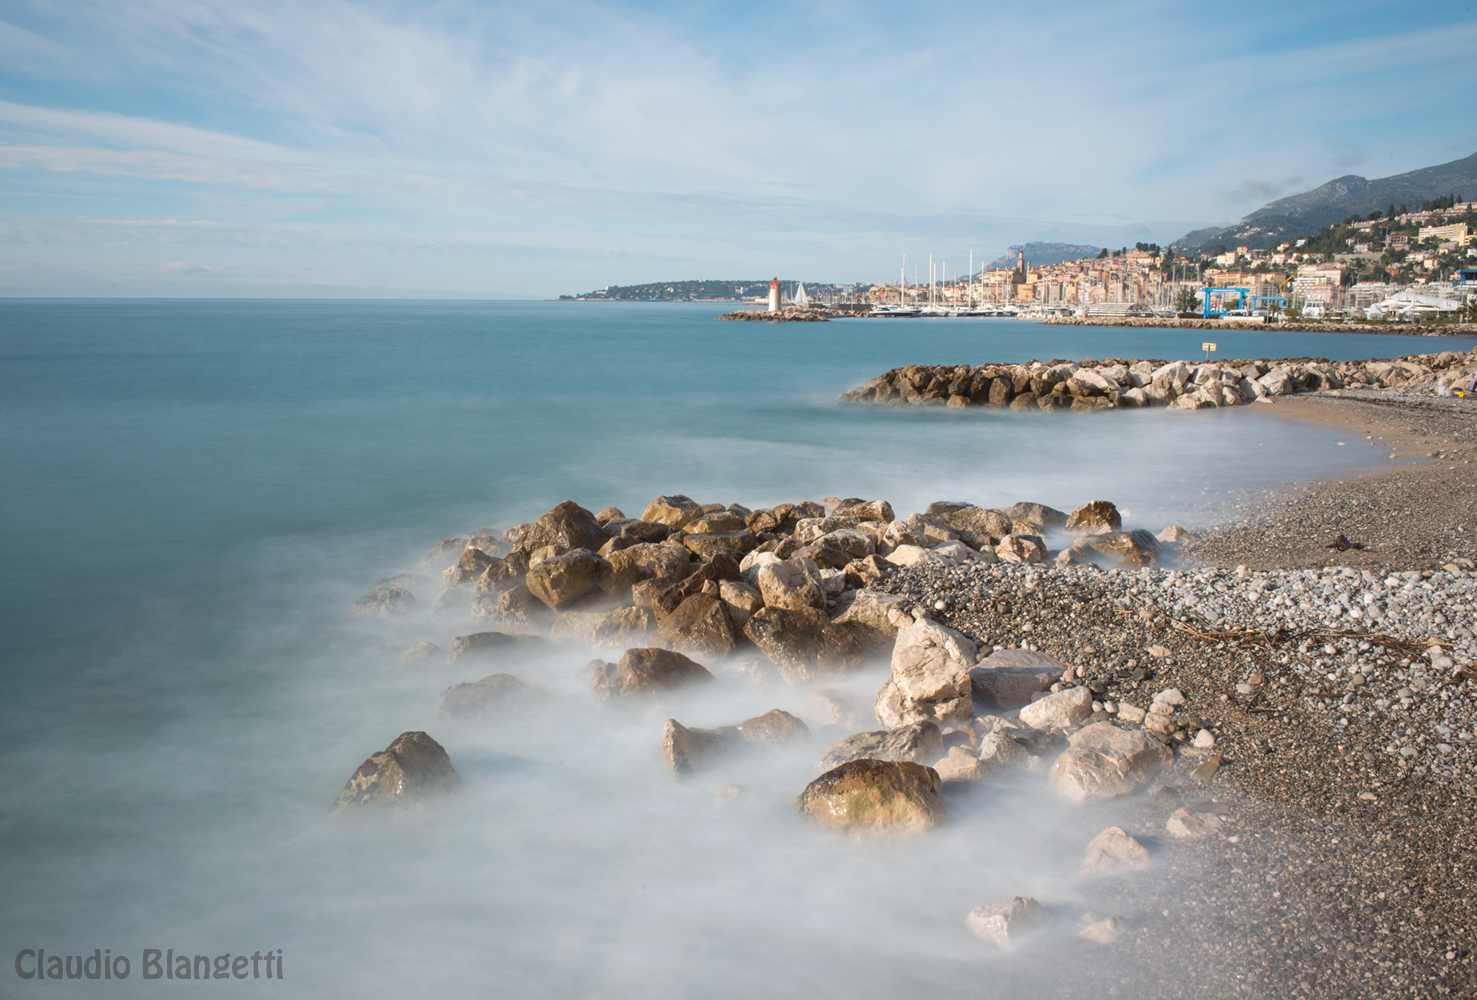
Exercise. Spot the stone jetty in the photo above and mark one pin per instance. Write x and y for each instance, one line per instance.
(1187, 385)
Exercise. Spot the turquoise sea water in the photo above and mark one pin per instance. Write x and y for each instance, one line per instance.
(194, 492)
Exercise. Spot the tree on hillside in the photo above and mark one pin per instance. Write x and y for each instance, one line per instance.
(1103, 254)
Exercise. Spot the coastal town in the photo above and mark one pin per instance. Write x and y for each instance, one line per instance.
(1398, 264)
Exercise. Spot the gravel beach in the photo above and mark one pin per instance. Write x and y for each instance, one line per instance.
(1331, 683)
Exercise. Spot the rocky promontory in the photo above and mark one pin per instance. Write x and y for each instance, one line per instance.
(1188, 385)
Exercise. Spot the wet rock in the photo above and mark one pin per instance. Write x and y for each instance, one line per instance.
(876, 797)
(687, 751)
(1186, 824)
(623, 628)
(1097, 517)
(469, 566)
(1113, 849)
(645, 673)
(802, 643)
(502, 575)
(1135, 548)
(1002, 924)
(976, 527)
(1008, 678)
(515, 610)
(920, 742)
(1103, 762)
(868, 617)
(929, 678)
(484, 697)
(1062, 710)
(567, 527)
(700, 626)
(559, 581)
(419, 652)
(399, 777)
(610, 514)
(384, 601)
(481, 645)
(792, 583)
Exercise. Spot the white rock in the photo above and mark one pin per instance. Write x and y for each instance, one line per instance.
(1103, 762)
(1169, 696)
(930, 677)
(1058, 711)
(1204, 740)
(1187, 825)
(1001, 923)
(1130, 713)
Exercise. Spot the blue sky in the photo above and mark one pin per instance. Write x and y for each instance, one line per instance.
(428, 149)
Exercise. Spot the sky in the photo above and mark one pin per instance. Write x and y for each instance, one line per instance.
(459, 149)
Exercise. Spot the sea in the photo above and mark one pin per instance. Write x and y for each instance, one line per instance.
(195, 492)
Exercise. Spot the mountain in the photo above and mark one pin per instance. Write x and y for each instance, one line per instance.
(1042, 253)
(1306, 213)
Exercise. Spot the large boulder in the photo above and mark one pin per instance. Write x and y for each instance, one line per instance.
(877, 797)
(802, 643)
(568, 526)
(689, 750)
(1021, 549)
(646, 673)
(871, 618)
(484, 697)
(674, 511)
(624, 568)
(930, 676)
(1061, 710)
(1008, 678)
(1103, 762)
(700, 626)
(742, 600)
(560, 581)
(1041, 516)
(920, 742)
(853, 543)
(399, 777)
(792, 583)
(977, 527)
(1098, 517)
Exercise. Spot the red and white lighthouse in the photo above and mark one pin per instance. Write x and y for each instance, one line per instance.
(774, 295)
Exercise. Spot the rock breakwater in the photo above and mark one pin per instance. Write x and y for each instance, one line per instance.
(1117, 382)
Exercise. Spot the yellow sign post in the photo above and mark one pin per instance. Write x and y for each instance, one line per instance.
(1207, 347)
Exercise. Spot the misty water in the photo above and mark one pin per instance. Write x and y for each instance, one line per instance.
(194, 493)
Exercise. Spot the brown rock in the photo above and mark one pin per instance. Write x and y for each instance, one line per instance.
(674, 511)
(559, 581)
(502, 575)
(515, 610)
(645, 673)
(802, 643)
(610, 514)
(567, 527)
(1001, 924)
(792, 583)
(1098, 517)
(400, 776)
(961, 765)
(876, 797)
(480, 645)
(866, 510)
(417, 653)
(863, 573)
(868, 616)
(700, 626)
(1041, 516)
(1134, 548)
(446, 552)
(384, 601)
(722, 566)
(641, 561)
(689, 750)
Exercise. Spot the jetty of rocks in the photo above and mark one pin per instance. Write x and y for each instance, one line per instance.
(1188, 385)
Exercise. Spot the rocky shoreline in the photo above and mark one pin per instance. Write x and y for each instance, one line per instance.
(1187, 385)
